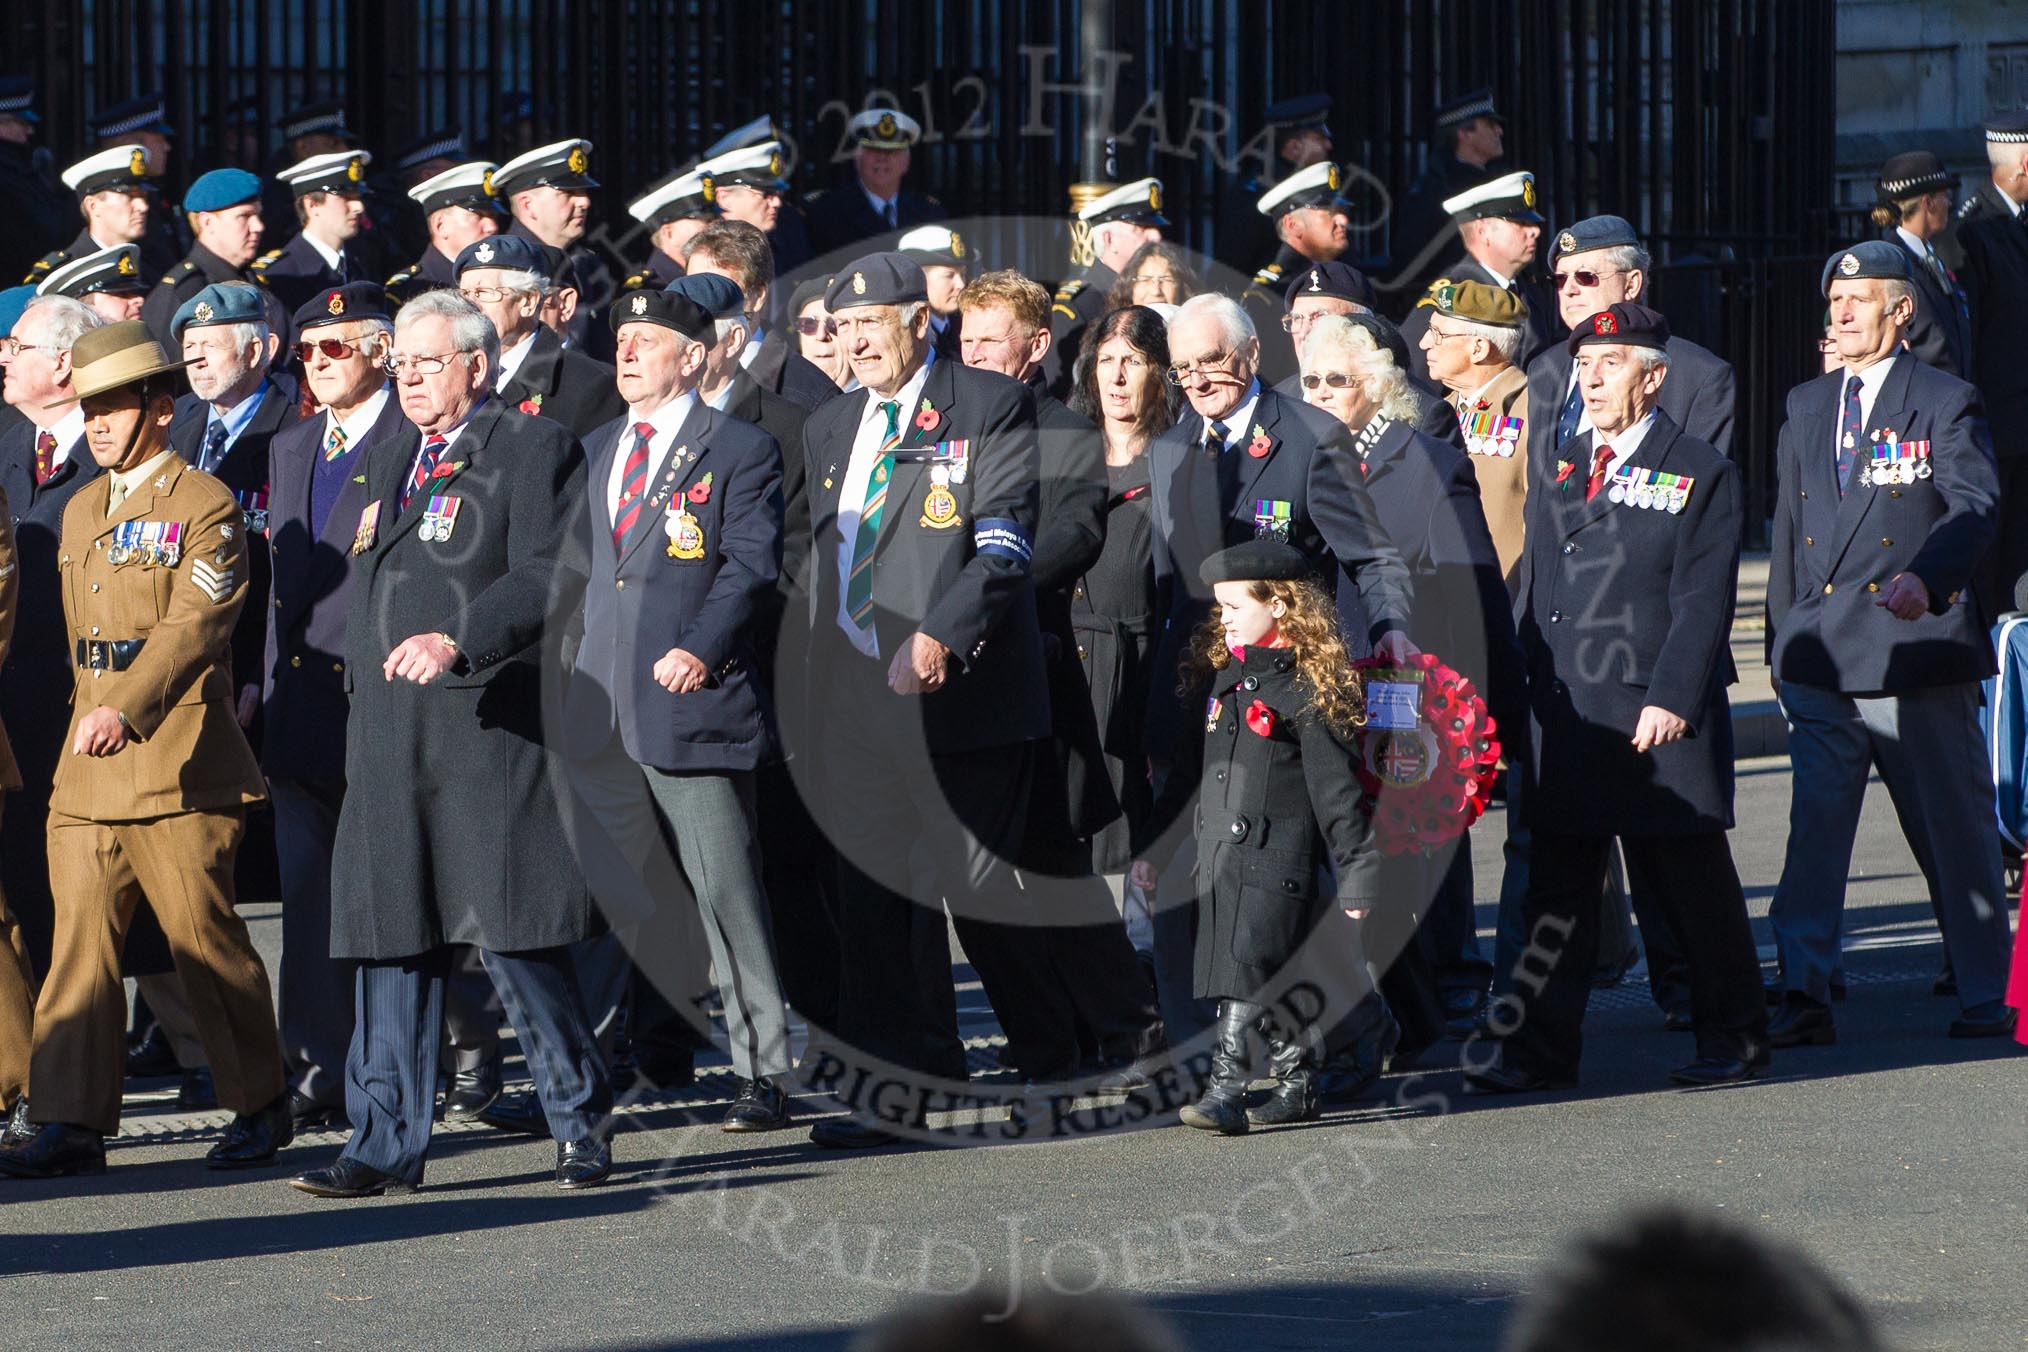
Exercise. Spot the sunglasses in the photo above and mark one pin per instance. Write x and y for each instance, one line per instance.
(810, 328)
(1336, 380)
(337, 349)
(1584, 277)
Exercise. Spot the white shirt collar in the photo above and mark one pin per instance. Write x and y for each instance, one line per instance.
(667, 421)
(910, 397)
(1870, 381)
(510, 361)
(1916, 245)
(1236, 422)
(334, 259)
(1626, 443)
(880, 203)
(361, 420)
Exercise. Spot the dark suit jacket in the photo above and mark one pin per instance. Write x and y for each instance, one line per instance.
(842, 218)
(1310, 465)
(296, 272)
(414, 870)
(303, 664)
(1940, 334)
(783, 420)
(966, 585)
(1622, 607)
(564, 384)
(244, 471)
(1078, 305)
(1833, 557)
(1697, 394)
(36, 684)
(1995, 279)
(1428, 499)
(1537, 335)
(200, 269)
(779, 369)
(705, 606)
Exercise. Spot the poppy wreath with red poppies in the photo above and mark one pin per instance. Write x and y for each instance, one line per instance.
(1432, 783)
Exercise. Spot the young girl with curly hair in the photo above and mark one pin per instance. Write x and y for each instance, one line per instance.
(1278, 798)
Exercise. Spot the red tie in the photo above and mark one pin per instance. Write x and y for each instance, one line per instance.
(45, 457)
(1601, 459)
(633, 487)
(425, 465)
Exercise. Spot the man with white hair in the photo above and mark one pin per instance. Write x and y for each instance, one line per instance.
(315, 469)
(112, 192)
(455, 574)
(1995, 275)
(1469, 341)
(507, 277)
(1878, 642)
(1498, 228)
(1117, 223)
(43, 463)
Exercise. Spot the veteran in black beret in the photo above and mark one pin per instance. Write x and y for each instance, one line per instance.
(673, 210)
(1631, 731)
(1115, 224)
(38, 216)
(1337, 288)
(1299, 130)
(508, 277)
(872, 204)
(1884, 511)
(330, 207)
(1994, 275)
(223, 211)
(460, 208)
(1467, 136)
(665, 717)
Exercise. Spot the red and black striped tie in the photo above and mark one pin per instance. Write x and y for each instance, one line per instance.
(425, 465)
(633, 487)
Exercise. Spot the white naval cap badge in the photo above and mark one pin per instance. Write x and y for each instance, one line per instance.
(1316, 279)
(1566, 243)
(858, 283)
(202, 312)
(640, 305)
(1848, 266)
(484, 253)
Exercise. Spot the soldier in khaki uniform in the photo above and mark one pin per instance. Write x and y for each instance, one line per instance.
(1473, 334)
(152, 797)
(17, 982)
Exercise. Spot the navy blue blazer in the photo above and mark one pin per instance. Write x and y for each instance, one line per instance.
(644, 601)
(1625, 606)
(1833, 557)
(1428, 500)
(1940, 334)
(842, 217)
(1697, 394)
(37, 680)
(303, 687)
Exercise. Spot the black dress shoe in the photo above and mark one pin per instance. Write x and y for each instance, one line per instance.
(761, 1106)
(1120, 1077)
(309, 1115)
(848, 1133)
(1801, 1022)
(151, 1058)
(1991, 1019)
(55, 1150)
(1463, 1010)
(197, 1093)
(18, 1128)
(253, 1139)
(583, 1164)
(1506, 1079)
(519, 1112)
(1946, 983)
(1677, 1021)
(1718, 1070)
(472, 1093)
(347, 1177)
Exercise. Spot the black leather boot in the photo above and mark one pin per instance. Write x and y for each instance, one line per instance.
(1223, 1107)
(1293, 1065)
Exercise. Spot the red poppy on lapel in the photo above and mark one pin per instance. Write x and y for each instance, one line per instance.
(1260, 718)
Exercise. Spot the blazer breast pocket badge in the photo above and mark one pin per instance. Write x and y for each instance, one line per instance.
(940, 505)
(685, 532)
(368, 529)
(439, 517)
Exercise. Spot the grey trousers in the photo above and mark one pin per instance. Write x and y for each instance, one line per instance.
(1927, 746)
(707, 819)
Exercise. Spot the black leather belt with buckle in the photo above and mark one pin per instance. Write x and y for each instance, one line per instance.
(108, 654)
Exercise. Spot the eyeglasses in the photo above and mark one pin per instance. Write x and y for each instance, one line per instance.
(1291, 323)
(1336, 380)
(337, 349)
(1186, 372)
(810, 327)
(1584, 277)
(10, 348)
(423, 366)
(1442, 337)
(488, 295)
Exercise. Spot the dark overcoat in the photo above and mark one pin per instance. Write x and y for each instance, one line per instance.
(562, 383)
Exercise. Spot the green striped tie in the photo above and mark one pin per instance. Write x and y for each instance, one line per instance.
(859, 585)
